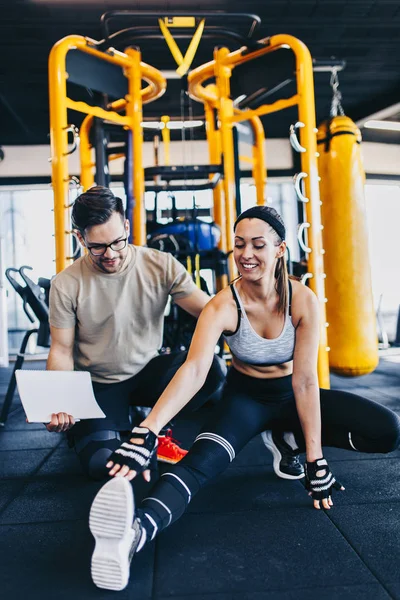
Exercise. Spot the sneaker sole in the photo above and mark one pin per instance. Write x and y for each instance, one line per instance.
(110, 521)
(267, 439)
(171, 461)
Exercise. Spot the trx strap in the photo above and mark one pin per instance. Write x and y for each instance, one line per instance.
(183, 62)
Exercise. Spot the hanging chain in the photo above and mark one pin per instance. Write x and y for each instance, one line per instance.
(336, 105)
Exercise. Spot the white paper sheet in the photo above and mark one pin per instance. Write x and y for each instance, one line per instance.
(45, 392)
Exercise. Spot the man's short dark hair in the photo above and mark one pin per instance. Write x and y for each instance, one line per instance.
(95, 207)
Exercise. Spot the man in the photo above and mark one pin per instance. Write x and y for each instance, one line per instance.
(106, 317)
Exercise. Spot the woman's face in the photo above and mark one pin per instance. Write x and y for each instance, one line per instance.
(256, 250)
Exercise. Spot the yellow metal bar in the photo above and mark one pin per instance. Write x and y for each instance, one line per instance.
(197, 270)
(259, 162)
(242, 55)
(87, 164)
(59, 148)
(59, 103)
(87, 171)
(157, 83)
(246, 159)
(225, 113)
(96, 111)
(166, 137)
(87, 45)
(116, 156)
(214, 152)
(201, 74)
(266, 109)
(196, 91)
(191, 51)
(151, 75)
(134, 113)
(305, 89)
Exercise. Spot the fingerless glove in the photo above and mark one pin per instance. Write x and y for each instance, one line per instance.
(320, 485)
(136, 456)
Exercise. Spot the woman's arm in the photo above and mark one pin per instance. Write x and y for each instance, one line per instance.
(192, 374)
(319, 479)
(305, 378)
(134, 456)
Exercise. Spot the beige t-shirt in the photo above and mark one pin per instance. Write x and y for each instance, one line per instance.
(118, 317)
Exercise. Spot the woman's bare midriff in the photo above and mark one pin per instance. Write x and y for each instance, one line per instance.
(263, 372)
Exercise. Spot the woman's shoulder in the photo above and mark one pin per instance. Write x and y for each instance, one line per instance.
(221, 300)
(300, 290)
(303, 298)
(222, 307)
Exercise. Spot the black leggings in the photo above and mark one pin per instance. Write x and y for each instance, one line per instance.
(95, 439)
(248, 407)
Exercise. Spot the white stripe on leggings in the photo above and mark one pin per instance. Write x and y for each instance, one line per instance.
(219, 440)
(163, 505)
(351, 442)
(180, 481)
(152, 521)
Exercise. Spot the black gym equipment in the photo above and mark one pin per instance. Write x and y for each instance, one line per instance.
(35, 298)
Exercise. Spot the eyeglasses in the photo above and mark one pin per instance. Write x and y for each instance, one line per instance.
(102, 248)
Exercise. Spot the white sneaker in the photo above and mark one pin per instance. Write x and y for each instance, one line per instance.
(286, 461)
(117, 534)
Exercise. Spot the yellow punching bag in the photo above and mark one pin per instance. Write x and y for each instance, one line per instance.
(352, 335)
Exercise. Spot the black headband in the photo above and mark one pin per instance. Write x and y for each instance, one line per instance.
(263, 213)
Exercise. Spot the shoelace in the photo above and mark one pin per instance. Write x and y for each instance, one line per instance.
(169, 440)
(295, 460)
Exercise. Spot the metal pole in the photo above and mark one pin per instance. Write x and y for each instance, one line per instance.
(134, 113)
(225, 114)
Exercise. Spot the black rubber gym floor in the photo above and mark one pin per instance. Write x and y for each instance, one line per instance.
(248, 536)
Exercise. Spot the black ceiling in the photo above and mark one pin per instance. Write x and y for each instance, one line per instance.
(364, 33)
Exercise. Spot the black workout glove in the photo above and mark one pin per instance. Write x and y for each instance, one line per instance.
(320, 486)
(136, 456)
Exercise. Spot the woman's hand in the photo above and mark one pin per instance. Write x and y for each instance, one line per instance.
(60, 422)
(134, 456)
(320, 482)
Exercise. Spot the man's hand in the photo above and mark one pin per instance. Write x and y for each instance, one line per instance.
(134, 456)
(60, 422)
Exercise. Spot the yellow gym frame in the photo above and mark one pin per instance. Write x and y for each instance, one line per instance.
(218, 97)
(215, 98)
(134, 70)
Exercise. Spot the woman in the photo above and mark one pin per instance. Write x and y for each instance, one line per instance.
(271, 326)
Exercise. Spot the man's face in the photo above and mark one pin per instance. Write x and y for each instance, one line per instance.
(114, 231)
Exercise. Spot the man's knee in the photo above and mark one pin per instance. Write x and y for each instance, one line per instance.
(94, 451)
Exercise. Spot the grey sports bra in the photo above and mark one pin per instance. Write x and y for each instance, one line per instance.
(251, 348)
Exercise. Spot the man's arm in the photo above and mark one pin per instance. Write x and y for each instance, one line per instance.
(194, 303)
(60, 356)
(61, 359)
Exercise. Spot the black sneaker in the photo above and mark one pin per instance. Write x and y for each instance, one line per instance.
(286, 462)
(116, 532)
